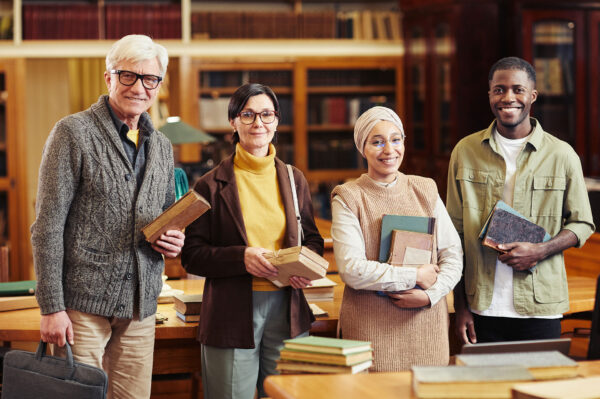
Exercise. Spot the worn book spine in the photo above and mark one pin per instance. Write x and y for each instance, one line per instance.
(179, 215)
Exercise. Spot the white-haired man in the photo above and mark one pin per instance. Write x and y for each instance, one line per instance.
(105, 173)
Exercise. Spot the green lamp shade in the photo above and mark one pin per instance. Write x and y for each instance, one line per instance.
(180, 132)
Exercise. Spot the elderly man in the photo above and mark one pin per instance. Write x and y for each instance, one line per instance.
(105, 173)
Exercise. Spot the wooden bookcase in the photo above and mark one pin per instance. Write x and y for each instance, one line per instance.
(449, 47)
(561, 40)
(13, 229)
(320, 98)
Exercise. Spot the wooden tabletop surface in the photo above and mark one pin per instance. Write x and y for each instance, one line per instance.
(350, 386)
(24, 325)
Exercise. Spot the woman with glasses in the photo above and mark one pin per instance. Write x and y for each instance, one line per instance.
(402, 310)
(245, 317)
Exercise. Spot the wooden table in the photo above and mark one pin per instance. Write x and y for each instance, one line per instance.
(348, 386)
(24, 325)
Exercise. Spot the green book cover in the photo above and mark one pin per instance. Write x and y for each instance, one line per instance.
(12, 288)
(417, 224)
(327, 345)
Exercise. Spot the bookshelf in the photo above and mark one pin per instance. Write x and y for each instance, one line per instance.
(13, 229)
(320, 98)
(186, 20)
(554, 41)
(445, 82)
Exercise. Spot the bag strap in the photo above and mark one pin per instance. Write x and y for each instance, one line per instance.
(296, 209)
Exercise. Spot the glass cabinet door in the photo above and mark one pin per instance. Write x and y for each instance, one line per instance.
(594, 96)
(553, 43)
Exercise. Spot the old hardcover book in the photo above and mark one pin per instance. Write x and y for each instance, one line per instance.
(462, 382)
(326, 358)
(409, 248)
(296, 261)
(542, 365)
(188, 318)
(17, 302)
(327, 345)
(320, 290)
(187, 304)
(389, 223)
(286, 367)
(578, 388)
(14, 288)
(179, 215)
(505, 225)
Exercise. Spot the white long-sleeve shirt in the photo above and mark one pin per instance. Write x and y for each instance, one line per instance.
(359, 273)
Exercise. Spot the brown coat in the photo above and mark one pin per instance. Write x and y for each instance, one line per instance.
(214, 248)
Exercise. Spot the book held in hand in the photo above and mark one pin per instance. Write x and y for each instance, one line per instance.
(178, 216)
(389, 223)
(409, 248)
(296, 261)
(505, 225)
(320, 290)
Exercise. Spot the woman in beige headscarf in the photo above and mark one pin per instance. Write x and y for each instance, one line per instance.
(401, 310)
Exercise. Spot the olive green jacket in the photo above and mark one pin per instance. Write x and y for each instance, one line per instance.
(549, 190)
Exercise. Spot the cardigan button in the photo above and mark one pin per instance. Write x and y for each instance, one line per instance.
(127, 177)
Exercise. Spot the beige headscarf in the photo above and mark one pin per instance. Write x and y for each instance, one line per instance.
(367, 121)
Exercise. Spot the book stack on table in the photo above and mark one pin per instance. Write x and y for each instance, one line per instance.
(16, 295)
(320, 290)
(322, 355)
(490, 375)
(187, 307)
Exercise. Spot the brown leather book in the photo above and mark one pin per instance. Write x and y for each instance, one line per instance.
(296, 261)
(179, 215)
(187, 304)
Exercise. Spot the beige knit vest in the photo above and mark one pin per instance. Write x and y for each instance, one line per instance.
(401, 338)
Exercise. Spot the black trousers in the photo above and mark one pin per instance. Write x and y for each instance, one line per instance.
(496, 329)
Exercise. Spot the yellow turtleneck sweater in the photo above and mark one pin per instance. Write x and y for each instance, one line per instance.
(261, 203)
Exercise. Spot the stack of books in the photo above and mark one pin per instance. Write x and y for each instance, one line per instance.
(187, 306)
(321, 290)
(322, 355)
(296, 261)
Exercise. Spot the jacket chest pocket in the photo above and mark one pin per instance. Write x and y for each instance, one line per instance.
(473, 187)
(547, 195)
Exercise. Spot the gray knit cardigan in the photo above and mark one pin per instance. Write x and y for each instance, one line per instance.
(89, 253)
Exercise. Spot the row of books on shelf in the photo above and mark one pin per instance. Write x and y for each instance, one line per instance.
(6, 27)
(351, 77)
(342, 110)
(82, 21)
(272, 78)
(213, 112)
(367, 25)
(519, 375)
(329, 151)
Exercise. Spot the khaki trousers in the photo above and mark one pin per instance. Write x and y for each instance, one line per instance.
(124, 348)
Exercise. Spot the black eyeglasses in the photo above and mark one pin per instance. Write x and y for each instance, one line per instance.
(248, 117)
(129, 78)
